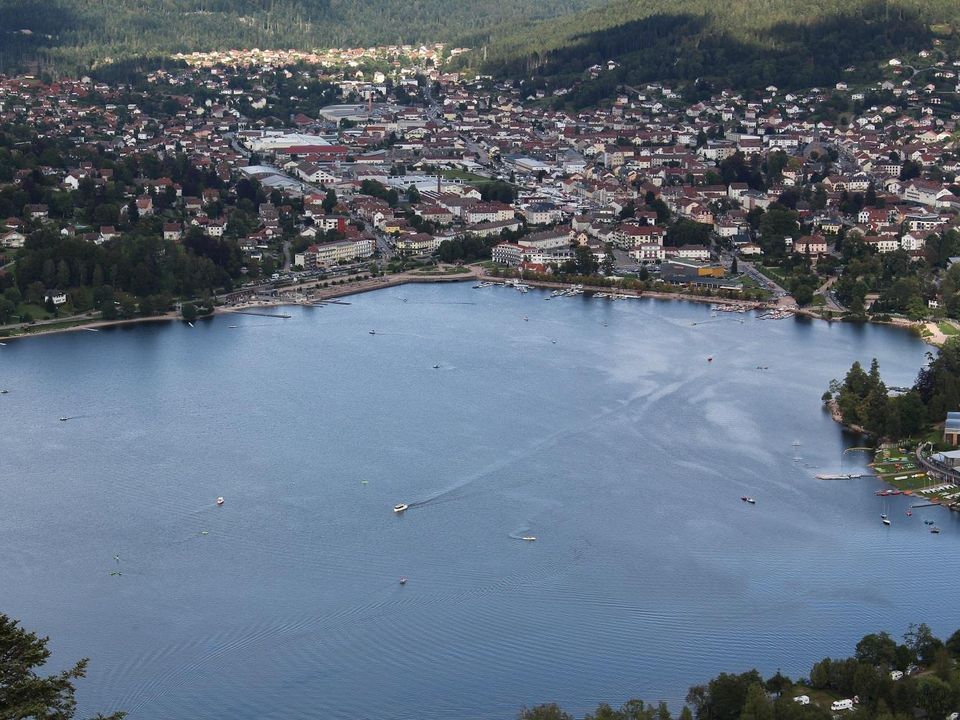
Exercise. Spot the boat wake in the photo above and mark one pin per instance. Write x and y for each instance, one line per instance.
(522, 535)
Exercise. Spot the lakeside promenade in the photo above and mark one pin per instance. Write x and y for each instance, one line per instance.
(319, 291)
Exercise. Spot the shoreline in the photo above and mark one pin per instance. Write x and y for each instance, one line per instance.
(318, 295)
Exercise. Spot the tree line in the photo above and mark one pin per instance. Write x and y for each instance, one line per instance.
(864, 400)
(927, 685)
(82, 34)
(746, 45)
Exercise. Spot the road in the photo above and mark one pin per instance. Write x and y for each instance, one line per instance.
(92, 315)
(937, 471)
(783, 297)
(831, 298)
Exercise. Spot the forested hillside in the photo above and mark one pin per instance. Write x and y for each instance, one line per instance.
(744, 44)
(62, 33)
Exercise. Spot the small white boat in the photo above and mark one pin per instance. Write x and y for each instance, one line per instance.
(220, 500)
(4, 391)
(436, 367)
(190, 324)
(403, 581)
(64, 418)
(373, 332)
(529, 538)
(400, 508)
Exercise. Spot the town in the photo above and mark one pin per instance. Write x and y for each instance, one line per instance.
(569, 502)
(278, 167)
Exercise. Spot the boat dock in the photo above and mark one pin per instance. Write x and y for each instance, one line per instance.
(841, 476)
(261, 314)
(926, 504)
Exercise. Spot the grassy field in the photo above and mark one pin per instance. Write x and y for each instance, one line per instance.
(444, 271)
(774, 273)
(46, 327)
(899, 468)
(948, 329)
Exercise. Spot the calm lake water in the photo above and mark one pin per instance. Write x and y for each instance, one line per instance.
(598, 427)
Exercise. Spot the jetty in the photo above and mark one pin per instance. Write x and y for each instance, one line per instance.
(261, 314)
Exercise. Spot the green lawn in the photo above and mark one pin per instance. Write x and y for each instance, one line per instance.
(37, 312)
(817, 697)
(445, 271)
(774, 273)
(899, 468)
(67, 323)
(948, 329)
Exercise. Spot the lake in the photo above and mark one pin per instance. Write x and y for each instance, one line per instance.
(598, 427)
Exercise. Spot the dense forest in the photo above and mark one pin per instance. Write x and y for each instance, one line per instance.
(747, 44)
(70, 34)
(864, 401)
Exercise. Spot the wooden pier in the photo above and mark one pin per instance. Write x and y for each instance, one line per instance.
(260, 314)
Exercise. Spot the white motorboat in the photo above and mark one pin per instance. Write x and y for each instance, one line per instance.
(220, 500)
(400, 508)
(529, 538)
